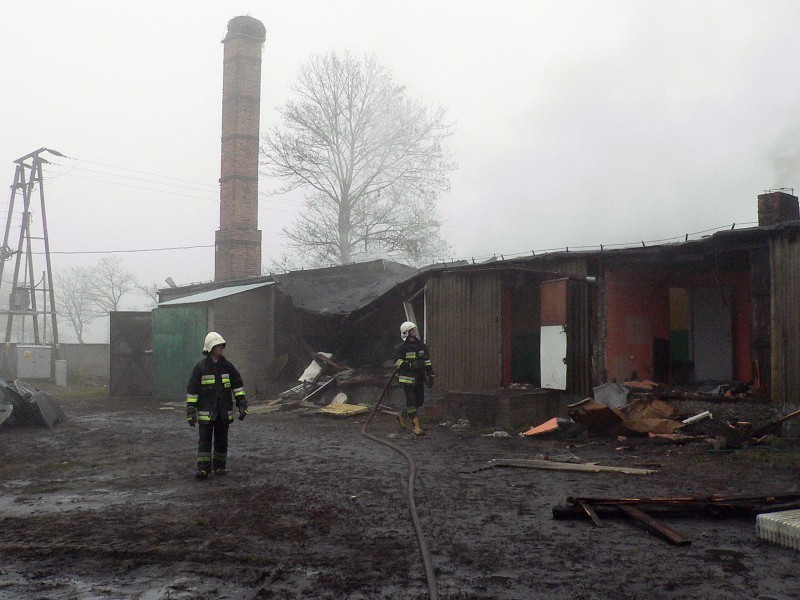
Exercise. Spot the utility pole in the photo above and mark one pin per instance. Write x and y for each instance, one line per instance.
(22, 300)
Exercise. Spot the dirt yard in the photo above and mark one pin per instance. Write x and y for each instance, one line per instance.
(105, 505)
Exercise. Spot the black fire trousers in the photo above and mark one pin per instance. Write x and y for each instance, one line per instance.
(215, 432)
(415, 397)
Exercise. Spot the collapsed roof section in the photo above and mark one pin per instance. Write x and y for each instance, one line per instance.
(330, 291)
(342, 290)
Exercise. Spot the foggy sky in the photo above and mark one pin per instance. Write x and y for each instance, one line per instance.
(576, 123)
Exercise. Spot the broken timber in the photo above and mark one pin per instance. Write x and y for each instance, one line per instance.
(644, 510)
(771, 426)
(562, 466)
(653, 525)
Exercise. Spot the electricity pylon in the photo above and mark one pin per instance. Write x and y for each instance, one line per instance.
(24, 289)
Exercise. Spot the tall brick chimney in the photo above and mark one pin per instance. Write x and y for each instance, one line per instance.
(238, 239)
(777, 207)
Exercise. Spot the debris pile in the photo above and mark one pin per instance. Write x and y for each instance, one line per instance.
(633, 411)
(25, 405)
(323, 376)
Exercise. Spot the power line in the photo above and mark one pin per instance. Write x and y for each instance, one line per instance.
(141, 187)
(263, 198)
(213, 185)
(68, 174)
(129, 251)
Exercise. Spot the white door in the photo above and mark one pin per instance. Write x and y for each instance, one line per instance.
(553, 348)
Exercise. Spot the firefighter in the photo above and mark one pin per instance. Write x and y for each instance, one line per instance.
(414, 372)
(213, 387)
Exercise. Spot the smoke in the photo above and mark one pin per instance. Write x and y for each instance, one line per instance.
(784, 156)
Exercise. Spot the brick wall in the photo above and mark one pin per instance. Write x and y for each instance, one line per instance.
(777, 207)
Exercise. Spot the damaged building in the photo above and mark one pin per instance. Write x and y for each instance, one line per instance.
(715, 309)
(511, 339)
(718, 308)
(272, 322)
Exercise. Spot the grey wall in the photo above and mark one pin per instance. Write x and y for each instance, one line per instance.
(246, 322)
(85, 362)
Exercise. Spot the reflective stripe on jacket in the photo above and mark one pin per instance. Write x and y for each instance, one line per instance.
(414, 361)
(212, 388)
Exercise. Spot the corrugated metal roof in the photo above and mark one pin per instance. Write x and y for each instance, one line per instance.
(215, 294)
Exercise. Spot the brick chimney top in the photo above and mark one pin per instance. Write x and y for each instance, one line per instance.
(247, 26)
(777, 207)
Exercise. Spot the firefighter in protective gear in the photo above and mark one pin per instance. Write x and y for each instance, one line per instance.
(213, 387)
(415, 370)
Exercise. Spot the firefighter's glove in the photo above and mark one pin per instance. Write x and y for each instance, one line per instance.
(429, 381)
(191, 415)
(242, 406)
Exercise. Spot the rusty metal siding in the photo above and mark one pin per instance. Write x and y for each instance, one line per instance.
(464, 318)
(760, 322)
(579, 371)
(785, 323)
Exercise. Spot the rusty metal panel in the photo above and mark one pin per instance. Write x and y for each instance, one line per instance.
(579, 367)
(785, 321)
(464, 318)
(554, 302)
(760, 328)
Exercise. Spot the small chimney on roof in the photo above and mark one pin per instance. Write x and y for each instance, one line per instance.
(777, 207)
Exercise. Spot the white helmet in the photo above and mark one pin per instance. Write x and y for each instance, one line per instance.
(405, 328)
(212, 339)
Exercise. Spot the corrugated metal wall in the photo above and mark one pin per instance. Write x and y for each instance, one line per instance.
(465, 344)
(760, 322)
(785, 324)
(579, 372)
(178, 334)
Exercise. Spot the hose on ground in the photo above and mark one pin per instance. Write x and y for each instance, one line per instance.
(412, 505)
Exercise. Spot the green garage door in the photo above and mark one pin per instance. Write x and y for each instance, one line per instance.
(178, 334)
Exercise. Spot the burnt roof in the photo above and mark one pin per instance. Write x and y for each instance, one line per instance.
(343, 289)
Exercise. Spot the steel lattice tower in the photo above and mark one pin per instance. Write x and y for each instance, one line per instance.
(24, 289)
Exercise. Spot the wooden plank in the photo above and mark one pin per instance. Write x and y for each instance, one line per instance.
(592, 515)
(562, 466)
(655, 526)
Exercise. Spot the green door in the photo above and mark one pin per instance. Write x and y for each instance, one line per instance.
(178, 334)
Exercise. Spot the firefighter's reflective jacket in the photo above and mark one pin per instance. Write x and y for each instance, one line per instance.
(414, 361)
(212, 389)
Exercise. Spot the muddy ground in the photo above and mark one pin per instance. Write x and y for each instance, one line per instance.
(105, 505)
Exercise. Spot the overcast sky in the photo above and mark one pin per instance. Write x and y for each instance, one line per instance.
(577, 123)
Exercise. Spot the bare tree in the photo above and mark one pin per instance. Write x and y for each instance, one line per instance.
(108, 283)
(370, 158)
(74, 299)
(84, 294)
(150, 292)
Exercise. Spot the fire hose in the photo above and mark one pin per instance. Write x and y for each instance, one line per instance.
(412, 505)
